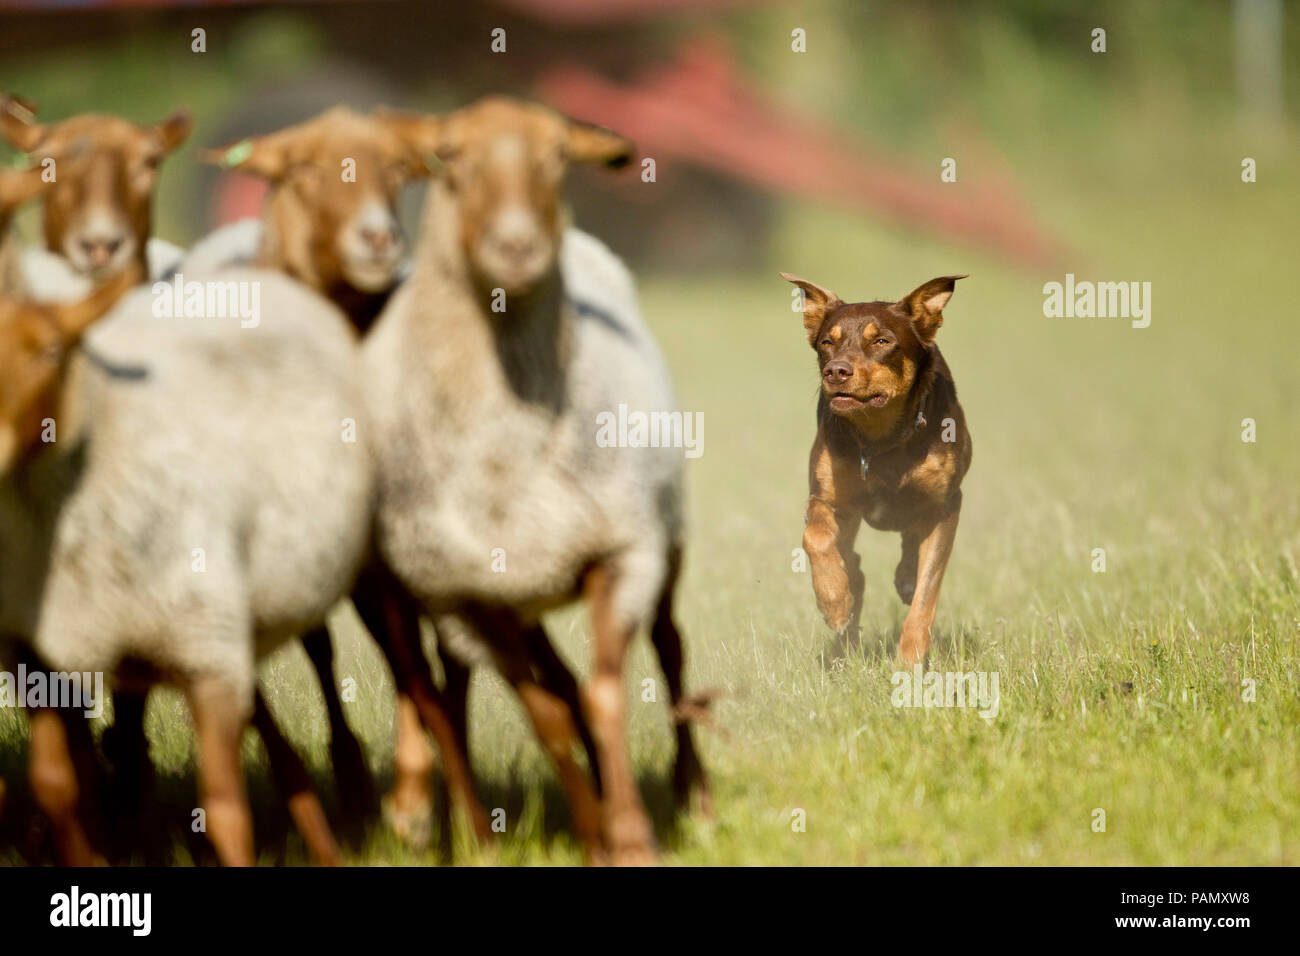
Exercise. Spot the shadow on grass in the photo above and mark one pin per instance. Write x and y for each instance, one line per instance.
(881, 644)
(163, 834)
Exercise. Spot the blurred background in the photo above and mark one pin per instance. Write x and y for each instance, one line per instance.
(810, 137)
(745, 131)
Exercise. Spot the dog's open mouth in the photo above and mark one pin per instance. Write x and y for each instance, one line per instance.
(849, 403)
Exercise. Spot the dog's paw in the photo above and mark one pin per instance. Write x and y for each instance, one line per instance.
(837, 614)
(912, 646)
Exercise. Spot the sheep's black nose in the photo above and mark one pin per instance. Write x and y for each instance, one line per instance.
(837, 372)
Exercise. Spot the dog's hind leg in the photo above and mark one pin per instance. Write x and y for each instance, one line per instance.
(933, 552)
(905, 573)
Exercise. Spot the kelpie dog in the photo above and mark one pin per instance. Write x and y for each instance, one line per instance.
(891, 449)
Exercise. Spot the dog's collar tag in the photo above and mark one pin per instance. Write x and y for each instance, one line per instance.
(862, 457)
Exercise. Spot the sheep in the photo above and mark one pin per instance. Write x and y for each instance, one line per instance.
(486, 374)
(200, 506)
(99, 220)
(331, 223)
(16, 187)
(330, 220)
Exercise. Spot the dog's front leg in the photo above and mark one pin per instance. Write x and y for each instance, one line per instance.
(827, 536)
(933, 552)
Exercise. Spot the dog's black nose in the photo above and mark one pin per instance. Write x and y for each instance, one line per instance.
(837, 371)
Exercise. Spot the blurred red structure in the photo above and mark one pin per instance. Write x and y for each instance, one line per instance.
(700, 110)
(733, 143)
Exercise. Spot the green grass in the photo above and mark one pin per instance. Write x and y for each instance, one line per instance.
(1120, 691)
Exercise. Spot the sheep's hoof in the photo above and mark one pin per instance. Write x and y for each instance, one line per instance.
(631, 841)
(634, 854)
(413, 825)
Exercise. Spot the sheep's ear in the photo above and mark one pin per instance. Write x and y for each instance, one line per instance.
(265, 156)
(18, 123)
(74, 318)
(18, 186)
(174, 130)
(817, 304)
(924, 305)
(586, 143)
(424, 133)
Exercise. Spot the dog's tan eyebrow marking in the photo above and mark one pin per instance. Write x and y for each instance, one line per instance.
(835, 334)
(870, 331)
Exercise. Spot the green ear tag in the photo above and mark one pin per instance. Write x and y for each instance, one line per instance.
(238, 153)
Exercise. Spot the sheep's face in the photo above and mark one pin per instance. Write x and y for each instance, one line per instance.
(336, 180)
(99, 208)
(35, 341)
(504, 164)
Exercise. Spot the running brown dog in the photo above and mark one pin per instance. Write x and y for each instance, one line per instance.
(891, 449)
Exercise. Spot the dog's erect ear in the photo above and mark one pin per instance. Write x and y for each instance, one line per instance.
(924, 306)
(817, 304)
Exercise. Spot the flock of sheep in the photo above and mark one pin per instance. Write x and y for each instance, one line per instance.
(180, 494)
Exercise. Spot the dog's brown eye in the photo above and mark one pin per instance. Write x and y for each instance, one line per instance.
(826, 342)
(882, 341)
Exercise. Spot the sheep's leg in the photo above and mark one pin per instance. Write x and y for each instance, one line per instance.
(556, 677)
(219, 719)
(394, 622)
(294, 784)
(552, 719)
(455, 692)
(126, 747)
(408, 807)
(688, 771)
(352, 777)
(55, 786)
(627, 827)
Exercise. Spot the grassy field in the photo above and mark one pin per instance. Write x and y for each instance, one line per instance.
(1121, 691)
(1163, 691)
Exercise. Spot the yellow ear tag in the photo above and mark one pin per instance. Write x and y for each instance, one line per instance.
(238, 153)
